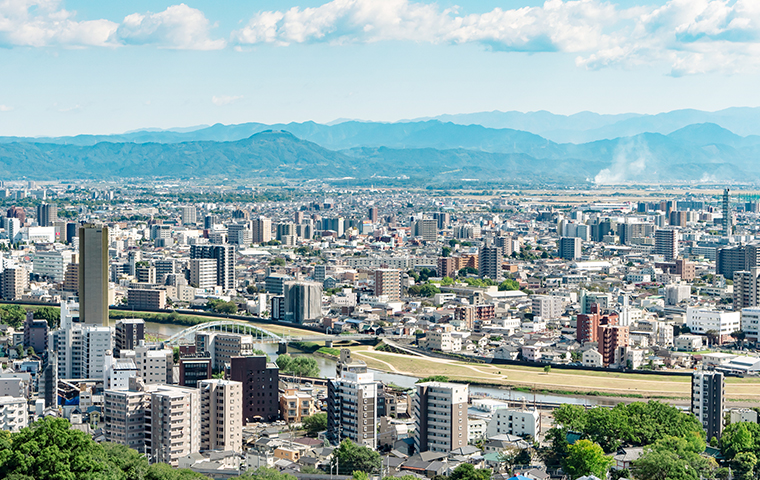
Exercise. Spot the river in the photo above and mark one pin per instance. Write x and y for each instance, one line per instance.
(327, 369)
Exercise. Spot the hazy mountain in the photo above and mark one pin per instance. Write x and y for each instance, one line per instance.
(696, 153)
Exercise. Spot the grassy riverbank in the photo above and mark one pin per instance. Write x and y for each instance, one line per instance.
(577, 382)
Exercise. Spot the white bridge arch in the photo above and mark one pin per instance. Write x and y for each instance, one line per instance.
(230, 326)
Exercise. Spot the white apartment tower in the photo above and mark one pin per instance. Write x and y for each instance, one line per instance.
(440, 413)
(352, 409)
(221, 415)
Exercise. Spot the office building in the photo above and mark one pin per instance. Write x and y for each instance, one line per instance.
(260, 381)
(225, 262)
(666, 243)
(427, 228)
(707, 401)
(146, 299)
(548, 307)
(93, 274)
(194, 368)
(303, 301)
(388, 283)
(352, 409)
(189, 215)
(221, 415)
(491, 259)
(569, 248)
(703, 320)
(440, 413)
(47, 214)
(223, 346)
(128, 333)
(13, 282)
(262, 230)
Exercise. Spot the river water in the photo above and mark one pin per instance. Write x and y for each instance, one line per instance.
(327, 369)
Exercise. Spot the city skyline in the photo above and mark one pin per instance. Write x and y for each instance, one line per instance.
(80, 66)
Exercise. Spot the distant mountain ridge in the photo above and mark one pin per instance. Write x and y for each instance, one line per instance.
(429, 152)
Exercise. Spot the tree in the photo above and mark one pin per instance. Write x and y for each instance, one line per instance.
(131, 462)
(221, 306)
(673, 459)
(12, 315)
(466, 471)
(434, 378)
(351, 457)
(509, 284)
(301, 366)
(279, 261)
(739, 438)
(547, 369)
(744, 465)
(359, 475)
(52, 315)
(162, 471)
(446, 252)
(713, 336)
(315, 424)
(586, 458)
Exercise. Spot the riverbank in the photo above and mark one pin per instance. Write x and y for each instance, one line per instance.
(528, 379)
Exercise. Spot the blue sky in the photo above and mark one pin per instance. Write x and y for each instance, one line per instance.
(69, 67)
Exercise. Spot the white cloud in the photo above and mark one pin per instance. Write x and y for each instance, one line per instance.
(693, 36)
(225, 99)
(43, 23)
(179, 26)
(5, 108)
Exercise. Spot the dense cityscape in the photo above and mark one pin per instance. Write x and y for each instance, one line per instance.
(261, 331)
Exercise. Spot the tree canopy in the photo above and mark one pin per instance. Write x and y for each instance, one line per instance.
(585, 457)
(466, 471)
(351, 457)
(302, 366)
(264, 473)
(315, 423)
(674, 458)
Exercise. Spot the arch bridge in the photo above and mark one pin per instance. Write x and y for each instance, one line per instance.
(230, 326)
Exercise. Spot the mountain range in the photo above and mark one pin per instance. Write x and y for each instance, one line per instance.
(446, 150)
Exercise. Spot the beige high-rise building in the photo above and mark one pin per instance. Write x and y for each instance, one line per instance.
(202, 272)
(189, 215)
(388, 282)
(13, 281)
(93, 274)
(221, 415)
(262, 230)
(174, 424)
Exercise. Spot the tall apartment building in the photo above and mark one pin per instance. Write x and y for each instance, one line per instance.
(165, 268)
(491, 259)
(352, 409)
(746, 288)
(587, 329)
(427, 228)
(569, 248)
(260, 381)
(320, 273)
(223, 346)
(189, 215)
(611, 338)
(47, 214)
(666, 243)
(145, 274)
(51, 264)
(124, 416)
(240, 233)
(93, 274)
(202, 272)
(303, 301)
(221, 415)
(173, 424)
(373, 214)
(71, 276)
(388, 282)
(194, 368)
(727, 220)
(548, 307)
(440, 413)
(129, 332)
(155, 364)
(13, 282)
(146, 299)
(80, 349)
(14, 414)
(707, 401)
(736, 258)
(36, 334)
(262, 230)
(751, 323)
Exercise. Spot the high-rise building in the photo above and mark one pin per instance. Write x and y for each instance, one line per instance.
(260, 381)
(707, 401)
(587, 329)
(440, 413)
(124, 414)
(47, 214)
(746, 288)
(737, 258)
(320, 273)
(13, 282)
(146, 299)
(202, 272)
(155, 364)
(666, 243)
(221, 415)
(337, 225)
(18, 213)
(548, 307)
(262, 230)
(352, 409)
(225, 262)
(491, 259)
(189, 215)
(223, 346)
(129, 332)
(611, 338)
(36, 334)
(173, 424)
(727, 220)
(569, 248)
(303, 301)
(194, 368)
(80, 348)
(373, 214)
(165, 268)
(388, 282)
(427, 228)
(93, 274)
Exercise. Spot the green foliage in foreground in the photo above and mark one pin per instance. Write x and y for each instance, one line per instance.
(586, 458)
(351, 457)
(50, 449)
